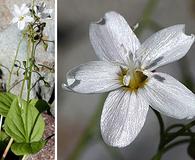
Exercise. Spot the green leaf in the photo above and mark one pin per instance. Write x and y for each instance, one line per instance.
(41, 105)
(6, 100)
(3, 136)
(4, 139)
(24, 123)
(27, 148)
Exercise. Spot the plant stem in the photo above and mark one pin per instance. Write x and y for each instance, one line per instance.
(174, 126)
(161, 124)
(7, 148)
(15, 84)
(1, 121)
(26, 69)
(163, 145)
(12, 68)
(8, 84)
(32, 57)
(160, 153)
(24, 157)
(180, 132)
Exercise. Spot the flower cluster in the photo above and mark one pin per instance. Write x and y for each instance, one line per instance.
(26, 14)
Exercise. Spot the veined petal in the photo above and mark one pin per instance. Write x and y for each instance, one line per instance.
(123, 117)
(93, 77)
(165, 46)
(169, 96)
(113, 39)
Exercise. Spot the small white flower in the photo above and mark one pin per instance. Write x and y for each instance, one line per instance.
(42, 12)
(125, 68)
(21, 16)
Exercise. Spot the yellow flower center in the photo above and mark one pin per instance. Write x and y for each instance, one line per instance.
(133, 80)
(21, 18)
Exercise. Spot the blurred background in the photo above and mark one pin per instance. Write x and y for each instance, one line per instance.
(78, 115)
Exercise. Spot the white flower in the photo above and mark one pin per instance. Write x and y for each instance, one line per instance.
(125, 68)
(42, 12)
(21, 16)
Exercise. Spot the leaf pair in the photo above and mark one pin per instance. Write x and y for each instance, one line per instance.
(25, 125)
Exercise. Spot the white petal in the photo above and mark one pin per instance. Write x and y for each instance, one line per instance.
(123, 117)
(113, 39)
(24, 9)
(165, 46)
(15, 19)
(28, 19)
(21, 25)
(93, 77)
(16, 10)
(169, 96)
(48, 11)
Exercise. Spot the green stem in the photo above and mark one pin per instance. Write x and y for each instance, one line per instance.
(22, 88)
(175, 144)
(172, 136)
(7, 148)
(12, 67)
(32, 57)
(15, 84)
(180, 132)
(162, 128)
(1, 121)
(160, 153)
(174, 126)
(24, 157)
(26, 69)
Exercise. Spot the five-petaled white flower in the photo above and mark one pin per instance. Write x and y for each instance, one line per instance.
(126, 69)
(21, 16)
(42, 12)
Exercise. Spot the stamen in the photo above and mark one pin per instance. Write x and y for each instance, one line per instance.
(21, 18)
(126, 80)
(134, 80)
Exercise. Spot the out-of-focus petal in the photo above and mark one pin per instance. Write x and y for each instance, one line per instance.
(24, 9)
(15, 20)
(21, 25)
(28, 19)
(16, 11)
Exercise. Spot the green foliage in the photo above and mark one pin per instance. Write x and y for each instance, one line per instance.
(41, 105)
(6, 100)
(27, 148)
(4, 138)
(25, 125)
